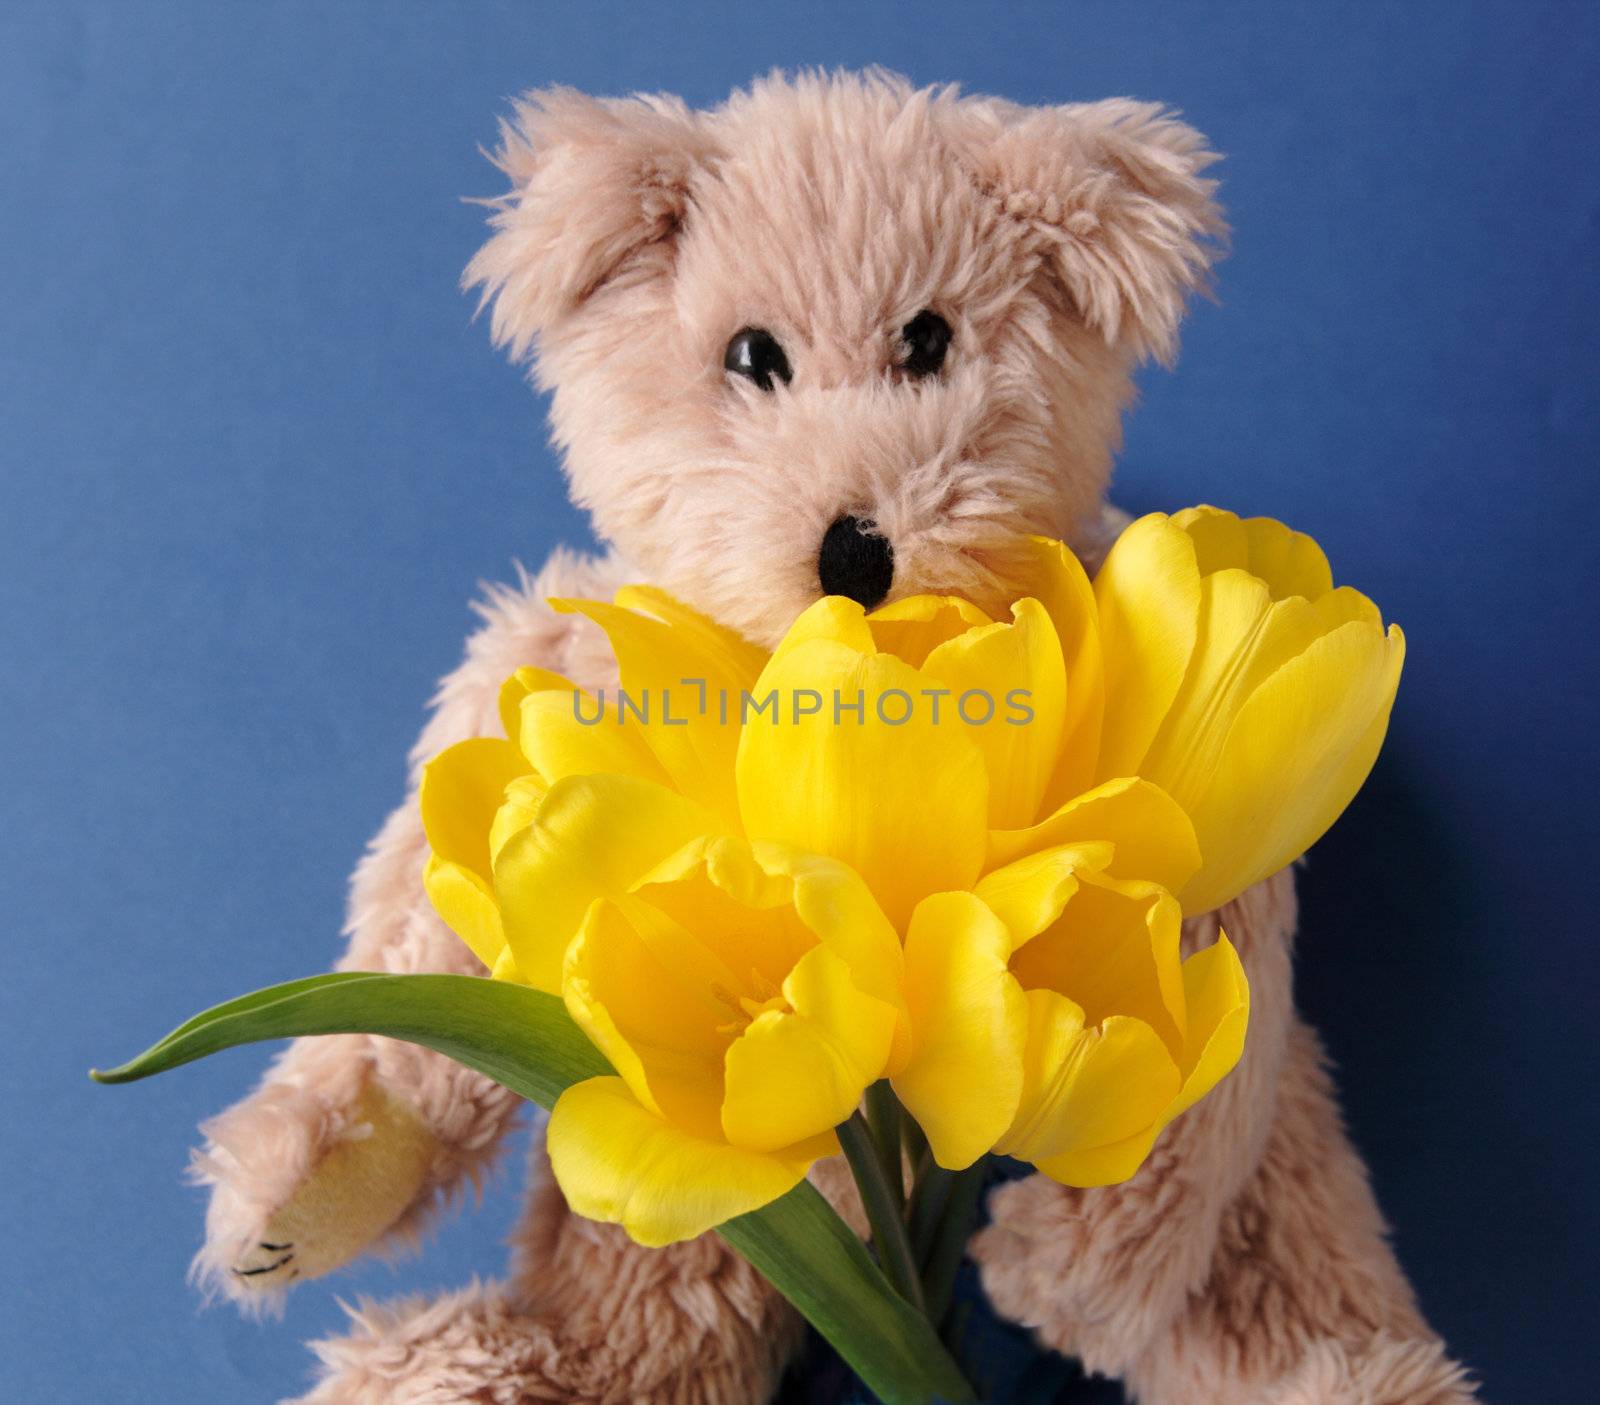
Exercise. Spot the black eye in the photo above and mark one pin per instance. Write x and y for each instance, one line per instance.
(756, 355)
(927, 338)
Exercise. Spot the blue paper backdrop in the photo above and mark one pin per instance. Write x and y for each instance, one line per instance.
(255, 456)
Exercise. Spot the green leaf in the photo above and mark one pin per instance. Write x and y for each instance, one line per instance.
(801, 1247)
(519, 1037)
(525, 1040)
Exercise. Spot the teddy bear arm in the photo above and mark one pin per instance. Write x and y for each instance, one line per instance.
(1098, 1273)
(1305, 1302)
(1247, 1261)
(351, 1141)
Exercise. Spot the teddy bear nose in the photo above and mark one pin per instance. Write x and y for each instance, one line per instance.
(856, 561)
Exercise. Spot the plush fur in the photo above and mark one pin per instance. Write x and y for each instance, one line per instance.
(1247, 1262)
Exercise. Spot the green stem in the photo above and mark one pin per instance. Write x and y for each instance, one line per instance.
(883, 1213)
(950, 1244)
(928, 1195)
(916, 1142)
(883, 1116)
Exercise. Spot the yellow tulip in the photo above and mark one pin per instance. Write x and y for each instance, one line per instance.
(1054, 1021)
(730, 988)
(1243, 684)
(937, 728)
(680, 665)
(655, 740)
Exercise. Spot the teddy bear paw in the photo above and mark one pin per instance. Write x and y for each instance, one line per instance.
(298, 1191)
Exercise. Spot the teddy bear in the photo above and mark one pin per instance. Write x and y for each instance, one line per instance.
(842, 336)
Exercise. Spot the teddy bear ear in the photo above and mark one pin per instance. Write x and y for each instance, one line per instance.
(594, 181)
(1115, 196)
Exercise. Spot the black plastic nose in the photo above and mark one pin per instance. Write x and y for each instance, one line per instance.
(855, 561)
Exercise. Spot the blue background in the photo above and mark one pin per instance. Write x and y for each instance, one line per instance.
(255, 457)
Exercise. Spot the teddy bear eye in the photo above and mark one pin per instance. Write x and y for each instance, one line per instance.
(927, 338)
(754, 353)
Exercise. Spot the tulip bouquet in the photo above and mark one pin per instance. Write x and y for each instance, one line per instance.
(909, 887)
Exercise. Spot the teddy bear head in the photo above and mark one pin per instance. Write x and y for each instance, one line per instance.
(838, 335)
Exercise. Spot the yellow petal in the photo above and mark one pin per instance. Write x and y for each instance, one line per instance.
(1114, 951)
(684, 686)
(988, 670)
(913, 628)
(831, 783)
(793, 1074)
(1218, 999)
(631, 984)
(518, 686)
(834, 903)
(1093, 1090)
(1028, 895)
(832, 617)
(462, 787)
(736, 657)
(1243, 637)
(1298, 750)
(1290, 562)
(1092, 1166)
(566, 732)
(1148, 596)
(522, 800)
(1057, 1034)
(969, 1021)
(467, 907)
(761, 907)
(1060, 585)
(1151, 835)
(505, 968)
(617, 1162)
(594, 836)
(740, 916)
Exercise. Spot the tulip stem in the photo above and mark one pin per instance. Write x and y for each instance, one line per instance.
(883, 1116)
(883, 1213)
(928, 1194)
(916, 1143)
(950, 1242)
